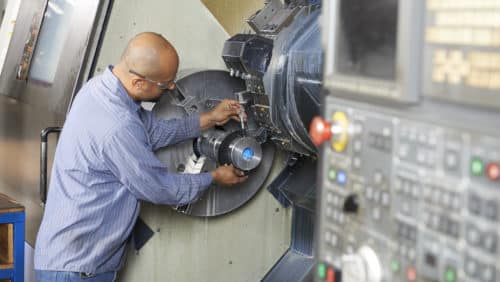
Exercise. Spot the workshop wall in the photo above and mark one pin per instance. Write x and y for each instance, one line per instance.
(232, 14)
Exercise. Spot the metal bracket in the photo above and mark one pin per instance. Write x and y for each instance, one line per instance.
(43, 160)
(272, 18)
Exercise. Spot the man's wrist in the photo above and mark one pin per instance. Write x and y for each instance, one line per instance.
(214, 175)
(206, 120)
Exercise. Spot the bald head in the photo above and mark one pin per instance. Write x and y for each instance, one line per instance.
(148, 59)
(150, 54)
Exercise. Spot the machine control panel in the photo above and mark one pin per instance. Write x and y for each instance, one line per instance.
(409, 183)
(410, 200)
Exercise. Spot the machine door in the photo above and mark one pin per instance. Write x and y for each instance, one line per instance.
(48, 51)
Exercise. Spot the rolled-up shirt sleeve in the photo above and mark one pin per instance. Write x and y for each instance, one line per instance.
(167, 132)
(129, 157)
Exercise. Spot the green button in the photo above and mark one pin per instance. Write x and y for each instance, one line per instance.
(477, 167)
(394, 265)
(332, 174)
(450, 275)
(321, 271)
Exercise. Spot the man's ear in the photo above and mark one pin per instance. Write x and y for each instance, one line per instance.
(137, 83)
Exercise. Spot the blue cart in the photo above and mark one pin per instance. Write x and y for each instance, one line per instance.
(12, 220)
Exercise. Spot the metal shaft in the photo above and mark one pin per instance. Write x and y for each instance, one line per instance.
(242, 122)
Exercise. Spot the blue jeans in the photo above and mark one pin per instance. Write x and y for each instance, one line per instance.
(66, 276)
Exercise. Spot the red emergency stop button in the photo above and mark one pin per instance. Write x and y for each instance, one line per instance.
(493, 171)
(320, 130)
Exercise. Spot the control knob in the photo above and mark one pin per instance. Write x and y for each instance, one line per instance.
(351, 204)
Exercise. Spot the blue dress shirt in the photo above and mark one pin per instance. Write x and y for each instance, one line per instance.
(104, 165)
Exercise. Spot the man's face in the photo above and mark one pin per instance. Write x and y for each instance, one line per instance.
(156, 86)
(150, 88)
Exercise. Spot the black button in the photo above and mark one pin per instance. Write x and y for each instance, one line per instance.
(490, 210)
(489, 242)
(351, 204)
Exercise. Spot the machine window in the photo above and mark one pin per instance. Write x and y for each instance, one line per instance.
(53, 35)
(367, 38)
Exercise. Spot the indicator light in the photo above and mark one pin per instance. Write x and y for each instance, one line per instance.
(493, 171)
(411, 274)
(321, 271)
(450, 274)
(394, 265)
(330, 275)
(332, 174)
(477, 167)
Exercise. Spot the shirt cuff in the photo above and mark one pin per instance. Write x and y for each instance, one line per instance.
(206, 179)
(193, 128)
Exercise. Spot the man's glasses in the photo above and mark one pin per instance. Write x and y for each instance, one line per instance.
(162, 85)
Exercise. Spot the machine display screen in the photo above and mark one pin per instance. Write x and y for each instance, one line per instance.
(367, 38)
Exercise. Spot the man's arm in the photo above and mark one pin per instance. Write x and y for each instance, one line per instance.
(130, 159)
(166, 132)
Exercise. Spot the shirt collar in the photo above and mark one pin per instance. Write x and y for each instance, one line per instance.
(113, 82)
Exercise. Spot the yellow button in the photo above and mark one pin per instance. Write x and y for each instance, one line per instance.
(341, 139)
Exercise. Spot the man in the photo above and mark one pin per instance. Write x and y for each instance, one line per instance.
(104, 164)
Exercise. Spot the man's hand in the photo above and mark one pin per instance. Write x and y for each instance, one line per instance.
(228, 175)
(221, 114)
